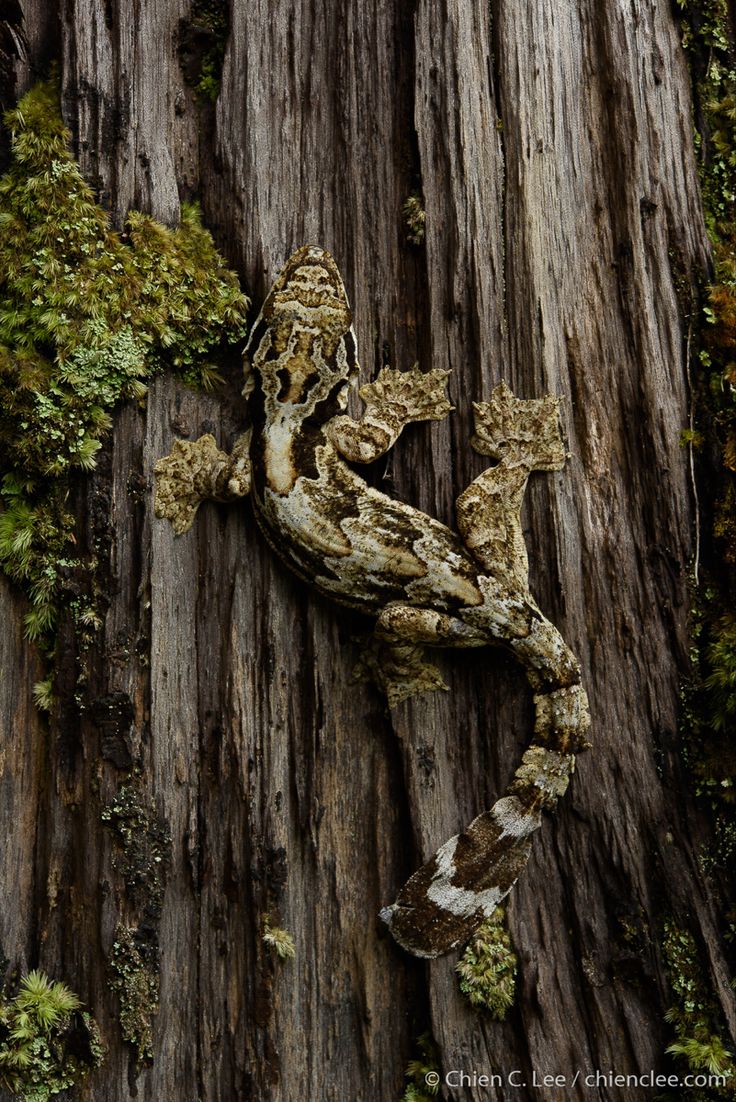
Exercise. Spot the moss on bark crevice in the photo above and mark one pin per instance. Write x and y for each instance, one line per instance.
(87, 316)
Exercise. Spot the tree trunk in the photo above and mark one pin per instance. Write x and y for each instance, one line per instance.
(552, 147)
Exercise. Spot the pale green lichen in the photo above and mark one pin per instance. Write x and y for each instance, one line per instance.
(134, 976)
(143, 858)
(87, 315)
(487, 968)
(144, 841)
(47, 1043)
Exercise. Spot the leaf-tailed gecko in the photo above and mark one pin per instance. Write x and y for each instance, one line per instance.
(423, 584)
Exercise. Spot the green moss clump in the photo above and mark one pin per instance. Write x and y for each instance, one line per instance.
(134, 968)
(47, 1043)
(427, 1063)
(87, 315)
(487, 968)
(694, 1016)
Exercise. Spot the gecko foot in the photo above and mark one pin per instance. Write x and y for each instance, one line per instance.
(399, 670)
(526, 431)
(405, 396)
(197, 470)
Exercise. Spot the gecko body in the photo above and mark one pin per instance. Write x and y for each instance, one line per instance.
(422, 583)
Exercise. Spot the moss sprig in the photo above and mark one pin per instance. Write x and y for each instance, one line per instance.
(202, 43)
(426, 1064)
(415, 219)
(47, 1043)
(87, 316)
(487, 968)
(280, 942)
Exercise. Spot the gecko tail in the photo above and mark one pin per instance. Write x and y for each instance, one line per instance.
(445, 901)
(441, 905)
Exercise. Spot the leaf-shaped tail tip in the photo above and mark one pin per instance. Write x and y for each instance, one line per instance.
(445, 901)
(524, 431)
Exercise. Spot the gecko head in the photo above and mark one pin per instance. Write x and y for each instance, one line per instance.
(302, 343)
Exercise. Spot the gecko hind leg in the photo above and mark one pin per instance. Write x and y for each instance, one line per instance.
(394, 659)
(523, 436)
(195, 471)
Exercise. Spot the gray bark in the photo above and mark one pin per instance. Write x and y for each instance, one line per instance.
(553, 148)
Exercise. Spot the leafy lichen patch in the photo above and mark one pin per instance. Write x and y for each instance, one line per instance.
(134, 968)
(144, 841)
(143, 859)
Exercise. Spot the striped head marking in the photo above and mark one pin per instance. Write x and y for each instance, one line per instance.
(302, 343)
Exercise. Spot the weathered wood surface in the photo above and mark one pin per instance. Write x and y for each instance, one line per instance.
(553, 147)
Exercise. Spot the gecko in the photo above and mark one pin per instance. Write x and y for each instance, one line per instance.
(422, 583)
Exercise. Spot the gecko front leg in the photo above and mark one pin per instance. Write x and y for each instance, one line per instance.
(392, 401)
(195, 471)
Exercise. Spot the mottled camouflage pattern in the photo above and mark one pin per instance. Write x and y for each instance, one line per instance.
(423, 584)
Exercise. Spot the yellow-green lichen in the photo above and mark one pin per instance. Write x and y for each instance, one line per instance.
(87, 315)
(487, 968)
(143, 857)
(144, 848)
(47, 1043)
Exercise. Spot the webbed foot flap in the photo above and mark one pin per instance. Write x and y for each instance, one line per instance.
(197, 470)
(525, 431)
(399, 670)
(404, 396)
